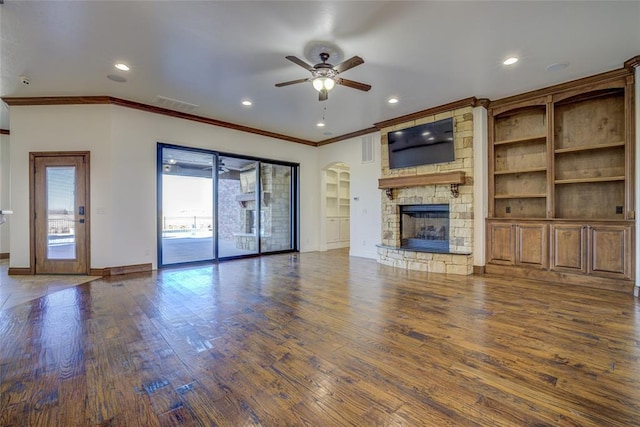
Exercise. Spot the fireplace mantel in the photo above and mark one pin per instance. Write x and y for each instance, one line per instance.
(454, 178)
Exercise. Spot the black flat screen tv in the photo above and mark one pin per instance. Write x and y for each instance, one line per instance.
(422, 145)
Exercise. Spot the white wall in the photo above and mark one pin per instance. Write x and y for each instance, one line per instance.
(4, 192)
(365, 197)
(56, 128)
(122, 143)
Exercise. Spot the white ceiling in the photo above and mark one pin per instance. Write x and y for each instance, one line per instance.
(217, 53)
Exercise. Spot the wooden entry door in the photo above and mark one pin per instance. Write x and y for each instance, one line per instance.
(60, 213)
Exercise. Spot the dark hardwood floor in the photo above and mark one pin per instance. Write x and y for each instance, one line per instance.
(320, 339)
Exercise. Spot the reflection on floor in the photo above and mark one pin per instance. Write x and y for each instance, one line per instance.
(185, 249)
(15, 290)
(320, 339)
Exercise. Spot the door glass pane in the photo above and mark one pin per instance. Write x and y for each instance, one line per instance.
(187, 206)
(275, 226)
(61, 207)
(237, 207)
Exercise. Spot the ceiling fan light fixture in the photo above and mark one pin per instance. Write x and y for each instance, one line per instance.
(326, 83)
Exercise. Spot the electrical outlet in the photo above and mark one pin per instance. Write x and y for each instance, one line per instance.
(508, 209)
(618, 210)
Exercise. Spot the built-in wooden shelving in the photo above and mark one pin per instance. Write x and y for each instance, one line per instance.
(522, 140)
(522, 170)
(589, 147)
(561, 184)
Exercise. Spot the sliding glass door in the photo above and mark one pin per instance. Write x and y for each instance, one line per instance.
(187, 226)
(214, 206)
(276, 219)
(237, 207)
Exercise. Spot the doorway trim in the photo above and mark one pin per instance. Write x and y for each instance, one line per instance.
(32, 207)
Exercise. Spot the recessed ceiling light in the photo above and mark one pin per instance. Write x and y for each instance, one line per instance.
(320, 124)
(247, 103)
(122, 66)
(510, 61)
(392, 100)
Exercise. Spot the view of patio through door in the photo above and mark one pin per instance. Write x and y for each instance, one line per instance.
(219, 206)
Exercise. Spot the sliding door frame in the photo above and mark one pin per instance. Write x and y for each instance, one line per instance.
(294, 199)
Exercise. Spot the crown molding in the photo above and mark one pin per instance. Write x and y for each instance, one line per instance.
(347, 136)
(5, 132)
(620, 73)
(632, 63)
(467, 102)
(93, 100)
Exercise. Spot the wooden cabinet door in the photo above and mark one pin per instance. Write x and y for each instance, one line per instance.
(568, 246)
(501, 247)
(610, 251)
(532, 243)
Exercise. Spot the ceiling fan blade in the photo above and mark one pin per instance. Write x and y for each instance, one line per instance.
(300, 62)
(292, 82)
(349, 63)
(352, 84)
(324, 95)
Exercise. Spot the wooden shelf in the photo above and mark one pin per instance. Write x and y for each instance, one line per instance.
(528, 139)
(596, 179)
(419, 180)
(589, 147)
(523, 170)
(520, 196)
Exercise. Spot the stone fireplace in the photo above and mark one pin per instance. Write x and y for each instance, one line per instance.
(408, 239)
(425, 228)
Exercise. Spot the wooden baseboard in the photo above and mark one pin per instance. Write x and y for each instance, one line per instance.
(4, 255)
(595, 282)
(102, 272)
(123, 269)
(478, 270)
(20, 271)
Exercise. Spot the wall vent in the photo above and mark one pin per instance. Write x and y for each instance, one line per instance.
(367, 149)
(174, 104)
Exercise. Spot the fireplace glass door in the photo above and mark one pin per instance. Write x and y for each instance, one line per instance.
(425, 227)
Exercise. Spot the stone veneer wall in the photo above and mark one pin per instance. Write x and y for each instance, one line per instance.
(460, 261)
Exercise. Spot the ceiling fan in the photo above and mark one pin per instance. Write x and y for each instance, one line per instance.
(324, 76)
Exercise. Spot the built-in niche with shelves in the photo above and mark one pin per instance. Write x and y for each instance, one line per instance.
(337, 200)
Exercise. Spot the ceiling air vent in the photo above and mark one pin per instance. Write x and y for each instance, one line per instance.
(174, 104)
(367, 149)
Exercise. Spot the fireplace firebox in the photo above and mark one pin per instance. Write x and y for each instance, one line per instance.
(425, 227)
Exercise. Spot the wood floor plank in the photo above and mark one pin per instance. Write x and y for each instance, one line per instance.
(320, 339)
